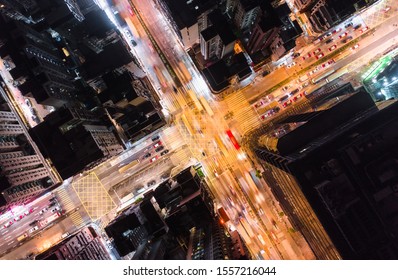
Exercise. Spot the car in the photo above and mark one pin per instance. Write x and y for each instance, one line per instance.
(348, 25)
(158, 149)
(386, 9)
(164, 152)
(336, 30)
(332, 48)
(355, 47)
(153, 159)
(294, 91)
(286, 87)
(312, 72)
(320, 56)
(297, 97)
(341, 36)
(357, 26)
(265, 73)
(318, 50)
(151, 183)
(259, 104)
(52, 204)
(17, 218)
(155, 138)
(327, 35)
(291, 65)
(66, 234)
(42, 211)
(283, 98)
(134, 43)
(295, 55)
(27, 101)
(9, 223)
(346, 40)
(328, 41)
(157, 144)
(147, 155)
(33, 229)
(364, 29)
(331, 61)
(32, 224)
(54, 210)
(287, 103)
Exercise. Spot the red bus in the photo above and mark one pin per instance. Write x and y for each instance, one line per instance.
(233, 140)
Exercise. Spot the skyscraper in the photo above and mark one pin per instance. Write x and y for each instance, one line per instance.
(334, 172)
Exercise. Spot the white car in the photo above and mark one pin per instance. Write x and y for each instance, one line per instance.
(33, 229)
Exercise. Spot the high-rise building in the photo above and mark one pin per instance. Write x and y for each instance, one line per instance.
(86, 244)
(24, 174)
(39, 68)
(188, 18)
(218, 39)
(75, 140)
(334, 173)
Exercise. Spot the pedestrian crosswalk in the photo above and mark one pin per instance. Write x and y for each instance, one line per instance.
(65, 200)
(77, 219)
(243, 113)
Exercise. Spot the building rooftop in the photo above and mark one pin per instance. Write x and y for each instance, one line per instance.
(294, 132)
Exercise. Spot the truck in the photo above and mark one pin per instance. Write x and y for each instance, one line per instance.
(22, 237)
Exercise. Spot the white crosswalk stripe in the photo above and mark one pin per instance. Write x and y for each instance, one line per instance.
(77, 219)
(65, 200)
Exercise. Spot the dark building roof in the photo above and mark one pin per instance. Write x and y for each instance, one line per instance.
(209, 33)
(217, 75)
(185, 13)
(113, 56)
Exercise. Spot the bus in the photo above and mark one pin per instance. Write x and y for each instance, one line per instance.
(128, 166)
(233, 140)
(187, 125)
(336, 75)
(322, 76)
(206, 106)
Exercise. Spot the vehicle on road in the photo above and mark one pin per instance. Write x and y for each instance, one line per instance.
(158, 149)
(33, 229)
(155, 138)
(320, 56)
(42, 211)
(9, 223)
(32, 224)
(364, 29)
(346, 39)
(151, 183)
(341, 36)
(18, 217)
(164, 152)
(283, 98)
(297, 97)
(259, 104)
(287, 103)
(22, 237)
(157, 144)
(147, 155)
(66, 234)
(265, 73)
(332, 47)
(336, 30)
(153, 159)
(355, 47)
(128, 166)
(318, 50)
(328, 41)
(348, 25)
